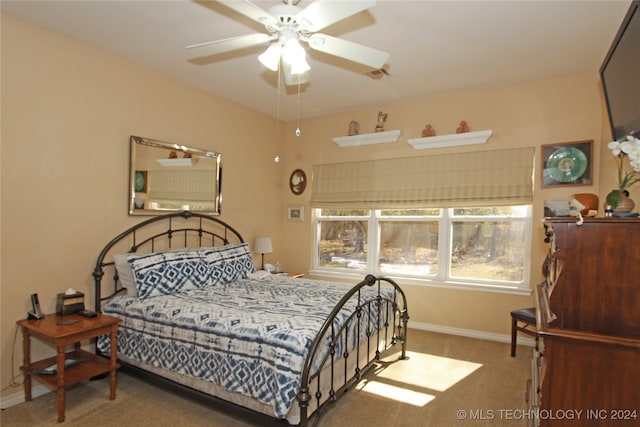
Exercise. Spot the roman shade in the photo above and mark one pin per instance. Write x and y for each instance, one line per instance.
(182, 184)
(482, 178)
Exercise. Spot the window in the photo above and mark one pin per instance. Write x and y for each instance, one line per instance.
(457, 246)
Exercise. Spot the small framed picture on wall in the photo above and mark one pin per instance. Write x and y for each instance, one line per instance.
(295, 213)
(567, 163)
(554, 208)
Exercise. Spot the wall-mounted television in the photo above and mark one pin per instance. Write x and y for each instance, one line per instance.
(620, 75)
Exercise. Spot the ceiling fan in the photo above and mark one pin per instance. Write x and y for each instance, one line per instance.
(287, 25)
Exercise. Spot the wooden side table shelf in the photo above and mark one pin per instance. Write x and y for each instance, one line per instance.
(50, 329)
(294, 275)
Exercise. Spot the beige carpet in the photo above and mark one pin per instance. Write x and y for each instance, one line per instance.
(449, 380)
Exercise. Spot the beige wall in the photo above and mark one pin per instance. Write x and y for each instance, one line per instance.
(541, 112)
(68, 110)
(67, 113)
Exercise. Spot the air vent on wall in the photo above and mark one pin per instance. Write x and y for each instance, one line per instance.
(378, 74)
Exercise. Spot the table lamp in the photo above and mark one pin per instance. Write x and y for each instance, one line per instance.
(263, 246)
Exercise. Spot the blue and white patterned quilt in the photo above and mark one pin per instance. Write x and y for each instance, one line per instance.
(249, 336)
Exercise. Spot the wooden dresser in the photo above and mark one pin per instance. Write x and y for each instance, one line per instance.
(587, 367)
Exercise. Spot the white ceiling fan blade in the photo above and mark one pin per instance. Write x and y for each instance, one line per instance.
(323, 13)
(355, 52)
(250, 10)
(228, 45)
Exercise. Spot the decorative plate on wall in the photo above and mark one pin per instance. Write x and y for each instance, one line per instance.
(566, 163)
(140, 181)
(298, 181)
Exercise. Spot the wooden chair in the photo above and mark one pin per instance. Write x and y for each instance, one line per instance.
(523, 320)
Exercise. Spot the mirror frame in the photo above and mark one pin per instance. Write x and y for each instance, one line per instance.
(135, 141)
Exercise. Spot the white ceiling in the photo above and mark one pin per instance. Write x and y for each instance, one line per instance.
(435, 46)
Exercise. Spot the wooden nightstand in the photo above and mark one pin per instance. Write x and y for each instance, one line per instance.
(51, 330)
(295, 275)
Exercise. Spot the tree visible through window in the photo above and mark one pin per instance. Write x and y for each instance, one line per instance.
(467, 245)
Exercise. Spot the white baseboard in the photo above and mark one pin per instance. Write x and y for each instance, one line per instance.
(17, 398)
(470, 333)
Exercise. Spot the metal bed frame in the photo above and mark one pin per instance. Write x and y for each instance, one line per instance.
(187, 229)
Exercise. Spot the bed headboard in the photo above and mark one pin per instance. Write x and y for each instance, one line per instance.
(161, 233)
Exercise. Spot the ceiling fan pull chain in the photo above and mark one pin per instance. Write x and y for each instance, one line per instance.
(277, 157)
(298, 110)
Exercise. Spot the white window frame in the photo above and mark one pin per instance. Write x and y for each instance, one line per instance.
(445, 219)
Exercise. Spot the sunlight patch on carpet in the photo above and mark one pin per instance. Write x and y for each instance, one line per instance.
(396, 393)
(428, 371)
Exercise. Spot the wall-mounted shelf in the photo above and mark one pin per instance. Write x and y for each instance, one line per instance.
(178, 162)
(453, 140)
(367, 138)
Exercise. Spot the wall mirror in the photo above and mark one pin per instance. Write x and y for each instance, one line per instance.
(167, 177)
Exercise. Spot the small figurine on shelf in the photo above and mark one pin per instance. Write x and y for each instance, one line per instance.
(173, 154)
(186, 155)
(382, 118)
(354, 128)
(463, 128)
(428, 131)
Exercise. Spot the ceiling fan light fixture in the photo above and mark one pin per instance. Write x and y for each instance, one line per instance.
(293, 52)
(271, 57)
(300, 66)
(291, 79)
(287, 25)
(294, 55)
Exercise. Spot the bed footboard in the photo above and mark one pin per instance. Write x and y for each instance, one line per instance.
(376, 324)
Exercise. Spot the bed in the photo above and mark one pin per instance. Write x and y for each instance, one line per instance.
(195, 313)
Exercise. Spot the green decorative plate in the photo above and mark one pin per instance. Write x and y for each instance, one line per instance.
(139, 181)
(567, 164)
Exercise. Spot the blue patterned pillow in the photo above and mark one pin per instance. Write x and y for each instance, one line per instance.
(228, 263)
(168, 273)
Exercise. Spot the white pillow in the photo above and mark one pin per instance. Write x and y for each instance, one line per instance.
(261, 275)
(125, 274)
